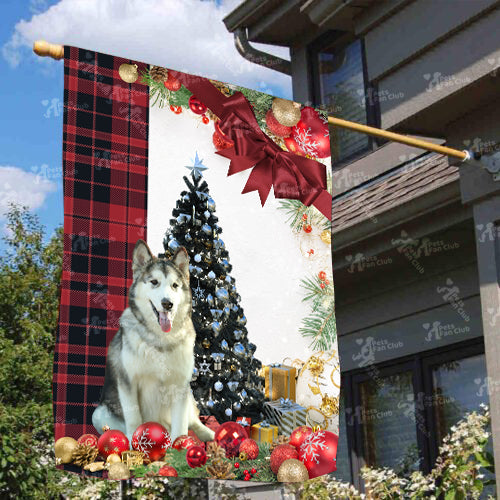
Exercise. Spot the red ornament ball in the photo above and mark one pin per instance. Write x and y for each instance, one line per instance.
(221, 141)
(307, 228)
(322, 275)
(311, 134)
(152, 439)
(322, 285)
(246, 478)
(176, 109)
(196, 456)
(184, 442)
(250, 447)
(281, 453)
(237, 465)
(112, 441)
(168, 471)
(171, 83)
(275, 126)
(253, 471)
(319, 453)
(196, 106)
(230, 435)
(298, 436)
(292, 146)
(89, 440)
(205, 119)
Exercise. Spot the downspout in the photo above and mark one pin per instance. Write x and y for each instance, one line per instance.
(257, 56)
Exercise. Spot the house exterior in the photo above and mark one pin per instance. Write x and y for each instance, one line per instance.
(416, 246)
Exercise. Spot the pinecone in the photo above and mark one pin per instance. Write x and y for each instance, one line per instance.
(220, 469)
(84, 454)
(214, 451)
(279, 440)
(158, 74)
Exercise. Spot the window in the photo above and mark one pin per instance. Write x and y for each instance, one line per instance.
(397, 413)
(339, 85)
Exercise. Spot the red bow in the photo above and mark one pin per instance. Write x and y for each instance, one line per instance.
(291, 176)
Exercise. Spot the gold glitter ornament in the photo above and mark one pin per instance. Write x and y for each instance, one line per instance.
(64, 448)
(292, 471)
(286, 112)
(326, 237)
(128, 72)
(113, 459)
(118, 470)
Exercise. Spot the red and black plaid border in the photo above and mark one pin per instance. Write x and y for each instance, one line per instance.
(105, 163)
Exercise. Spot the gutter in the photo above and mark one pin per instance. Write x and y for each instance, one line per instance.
(257, 56)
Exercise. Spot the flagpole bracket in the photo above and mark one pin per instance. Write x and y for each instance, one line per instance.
(490, 162)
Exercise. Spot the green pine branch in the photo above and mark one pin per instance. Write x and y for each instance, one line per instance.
(320, 325)
(160, 96)
(295, 210)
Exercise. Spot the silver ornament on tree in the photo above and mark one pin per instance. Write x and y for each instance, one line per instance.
(197, 258)
(211, 275)
(206, 229)
(233, 385)
(211, 204)
(216, 326)
(228, 412)
(218, 386)
(239, 349)
(222, 294)
(224, 345)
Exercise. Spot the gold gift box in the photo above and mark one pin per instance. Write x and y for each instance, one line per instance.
(266, 434)
(280, 381)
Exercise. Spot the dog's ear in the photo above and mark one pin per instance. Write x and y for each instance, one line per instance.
(181, 260)
(141, 256)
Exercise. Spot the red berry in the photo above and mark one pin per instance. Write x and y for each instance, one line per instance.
(253, 471)
(322, 285)
(205, 120)
(327, 282)
(246, 478)
(307, 228)
(304, 217)
(237, 465)
(322, 275)
(176, 109)
(245, 472)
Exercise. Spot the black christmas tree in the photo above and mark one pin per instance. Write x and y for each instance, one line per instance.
(225, 382)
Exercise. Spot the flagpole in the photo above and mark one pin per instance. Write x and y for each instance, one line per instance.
(45, 49)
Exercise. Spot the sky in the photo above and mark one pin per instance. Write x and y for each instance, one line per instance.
(186, 35)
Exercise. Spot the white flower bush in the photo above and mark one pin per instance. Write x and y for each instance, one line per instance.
(455, 476)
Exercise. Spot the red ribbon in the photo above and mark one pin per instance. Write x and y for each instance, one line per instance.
(291, 176)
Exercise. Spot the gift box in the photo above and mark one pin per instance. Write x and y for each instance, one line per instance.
(245, 422)
(264, 432)
(280, 381)
(286, 414)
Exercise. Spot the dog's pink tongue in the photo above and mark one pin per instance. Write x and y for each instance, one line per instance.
(165, 324)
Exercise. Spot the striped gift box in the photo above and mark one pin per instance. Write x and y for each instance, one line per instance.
(286, 414)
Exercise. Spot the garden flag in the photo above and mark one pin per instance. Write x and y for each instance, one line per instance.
(196, 326)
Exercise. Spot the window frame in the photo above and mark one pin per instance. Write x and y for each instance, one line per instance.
(338, 39)
(420, 364)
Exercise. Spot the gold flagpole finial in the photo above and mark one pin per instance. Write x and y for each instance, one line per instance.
(46, 49)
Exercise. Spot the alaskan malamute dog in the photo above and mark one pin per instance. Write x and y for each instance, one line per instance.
(150, 359)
